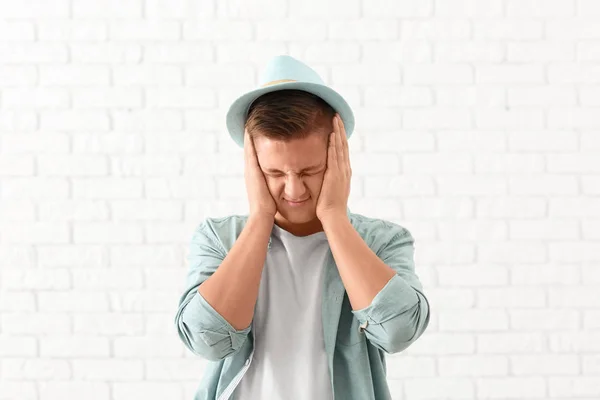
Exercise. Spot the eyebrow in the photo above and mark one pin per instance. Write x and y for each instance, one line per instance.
(303, 170)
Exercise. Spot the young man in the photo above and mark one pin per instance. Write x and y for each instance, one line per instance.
(300, 299)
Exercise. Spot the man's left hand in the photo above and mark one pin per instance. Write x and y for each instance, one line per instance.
(333, 198)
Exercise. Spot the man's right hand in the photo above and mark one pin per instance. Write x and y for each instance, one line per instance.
(259, 197)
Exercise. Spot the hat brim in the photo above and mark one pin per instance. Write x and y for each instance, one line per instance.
(238, 111)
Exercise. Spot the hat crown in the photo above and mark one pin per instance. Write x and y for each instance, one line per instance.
(286, 68)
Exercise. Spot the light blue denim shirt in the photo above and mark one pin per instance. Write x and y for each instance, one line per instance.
(355, 340)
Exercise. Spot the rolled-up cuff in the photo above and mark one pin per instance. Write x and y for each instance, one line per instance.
(392, 300)
(212, 327)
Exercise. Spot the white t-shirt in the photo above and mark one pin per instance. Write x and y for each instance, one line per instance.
(289, 359)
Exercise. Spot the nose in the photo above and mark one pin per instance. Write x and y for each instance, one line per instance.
(295, 188)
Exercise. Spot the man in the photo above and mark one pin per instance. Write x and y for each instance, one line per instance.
(300, 299)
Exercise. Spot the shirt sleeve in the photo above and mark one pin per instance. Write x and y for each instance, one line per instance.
(399, 313)
(201, 328)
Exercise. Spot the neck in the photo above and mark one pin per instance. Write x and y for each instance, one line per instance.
(303, 229)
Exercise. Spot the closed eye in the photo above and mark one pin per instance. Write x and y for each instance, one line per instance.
(278, 175)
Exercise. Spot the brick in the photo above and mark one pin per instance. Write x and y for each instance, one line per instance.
(472, 276)
(73, 300)
(436, 118)
(147, 390)
(35, 144)
(108, 9)
(469, 52)
(74, 120)
(151, 75)
(511, 387)
(114, 53)
(156, 210)
(548, 229)
(34, 188)
(72, 31)
(546, 95)
(107, 232)
(402, 8)
(147, 347)
(429, 388)
(70, 210)
(74, 346)
(510, 297)
(28, 323)
(232, 30)
(544, 320)
(469, 9)
(511, 343)
(540, 8)
(20, 279)
(473, 366)
(72, 255)
(435, 29)
(73, 75)
(509, 163)
(107, 98)
(18, 121)
(107, 188)
(108, 370)
(451, 298)
(35, 369)
(17, 31)
(18, 75)
(17, 300)
(540, 52)
(329, 52)
(35, 9)
(31, 98)
(77, 389)
(364, 29)
(174, 9)
(11, 347)
(17, 165)
(107, 324)
(542, 141)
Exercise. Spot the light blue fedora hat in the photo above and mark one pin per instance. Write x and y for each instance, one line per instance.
(285, 72)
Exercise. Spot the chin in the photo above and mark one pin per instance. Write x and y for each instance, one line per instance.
(298, 216)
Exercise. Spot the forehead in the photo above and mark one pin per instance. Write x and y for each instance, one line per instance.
(296, 154)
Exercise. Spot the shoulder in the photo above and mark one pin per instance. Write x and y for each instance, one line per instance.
(378, 232)
(223, 230)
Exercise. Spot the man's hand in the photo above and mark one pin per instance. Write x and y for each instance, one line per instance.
(333, 198)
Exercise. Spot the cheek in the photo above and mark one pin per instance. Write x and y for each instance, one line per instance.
(314, 184)
(274, 185)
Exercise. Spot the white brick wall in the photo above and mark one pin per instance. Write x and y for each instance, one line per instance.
(478, 128)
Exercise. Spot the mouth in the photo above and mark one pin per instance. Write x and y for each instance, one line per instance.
(296, 203)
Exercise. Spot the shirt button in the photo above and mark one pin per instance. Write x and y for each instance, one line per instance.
(247, 361)
(362, 327)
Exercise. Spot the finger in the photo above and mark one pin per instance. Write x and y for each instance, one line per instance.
(249, 148)
(247, 144)
(343, 146)
(343, 131)
(346, 150)
(338, 144)
(335, 142)
(331, 152)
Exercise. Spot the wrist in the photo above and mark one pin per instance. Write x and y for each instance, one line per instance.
(262, 218)
(333, 218)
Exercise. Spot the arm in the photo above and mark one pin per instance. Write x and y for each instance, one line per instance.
(214, 315)
(384, 291)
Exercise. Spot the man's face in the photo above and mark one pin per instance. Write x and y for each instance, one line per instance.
(294, 171)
